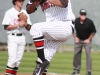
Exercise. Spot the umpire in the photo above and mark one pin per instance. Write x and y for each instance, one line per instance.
(85, 30)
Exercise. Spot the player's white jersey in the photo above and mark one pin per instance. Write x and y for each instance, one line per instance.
(70, 15)
(56, 13)
(11, 18)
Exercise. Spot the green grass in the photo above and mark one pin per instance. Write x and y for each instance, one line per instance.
(61, 63)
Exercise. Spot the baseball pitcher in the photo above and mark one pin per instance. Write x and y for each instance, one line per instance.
(50, 35)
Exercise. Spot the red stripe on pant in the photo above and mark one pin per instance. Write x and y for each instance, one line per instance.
(39, 43)
(11, 71)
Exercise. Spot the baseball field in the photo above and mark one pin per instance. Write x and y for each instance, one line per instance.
(62, 63)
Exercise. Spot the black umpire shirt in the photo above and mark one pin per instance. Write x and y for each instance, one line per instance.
(83, 30)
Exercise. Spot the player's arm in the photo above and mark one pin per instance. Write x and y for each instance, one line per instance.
(61, 3)
(32, 6)
(28, 27)
(11, 27)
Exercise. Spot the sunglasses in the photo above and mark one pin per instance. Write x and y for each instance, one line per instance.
(83, 14)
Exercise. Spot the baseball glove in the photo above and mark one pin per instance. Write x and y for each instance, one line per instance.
(22, 17)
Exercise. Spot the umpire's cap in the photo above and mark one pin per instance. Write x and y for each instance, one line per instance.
(83, 12)
(13, 1)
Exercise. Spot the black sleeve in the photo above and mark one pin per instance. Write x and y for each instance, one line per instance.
(93, 29)
(5, 26)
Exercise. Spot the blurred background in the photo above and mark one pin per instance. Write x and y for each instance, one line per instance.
(93, 12)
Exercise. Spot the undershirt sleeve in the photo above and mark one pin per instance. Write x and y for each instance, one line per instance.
(5, 26)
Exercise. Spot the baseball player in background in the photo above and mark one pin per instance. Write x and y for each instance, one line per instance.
(50, 35)
(16, 36)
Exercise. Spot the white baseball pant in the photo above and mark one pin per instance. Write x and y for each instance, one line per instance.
(16, 46)
(55, 33)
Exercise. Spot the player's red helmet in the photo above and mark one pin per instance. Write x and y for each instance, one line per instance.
(13, 1)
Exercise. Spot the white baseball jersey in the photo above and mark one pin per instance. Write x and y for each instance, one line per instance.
(70, 15)
(11, 18)
(56, 13)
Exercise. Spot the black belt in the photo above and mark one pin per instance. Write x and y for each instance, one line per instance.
(17, 34)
